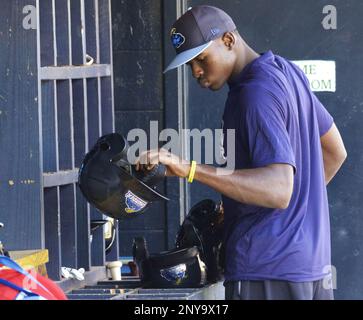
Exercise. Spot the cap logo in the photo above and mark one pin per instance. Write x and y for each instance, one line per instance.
(177, 39)
(215, 31)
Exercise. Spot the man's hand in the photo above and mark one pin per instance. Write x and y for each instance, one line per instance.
(175, 165)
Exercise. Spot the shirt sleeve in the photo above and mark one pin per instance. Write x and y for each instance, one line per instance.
(268, 139)
(325, 120)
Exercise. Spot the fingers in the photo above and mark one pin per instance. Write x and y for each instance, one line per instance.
(174, 164)
(148, 160)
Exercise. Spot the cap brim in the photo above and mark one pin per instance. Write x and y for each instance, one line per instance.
(186, 56)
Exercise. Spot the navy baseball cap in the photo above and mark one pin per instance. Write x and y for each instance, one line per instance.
(195, 31)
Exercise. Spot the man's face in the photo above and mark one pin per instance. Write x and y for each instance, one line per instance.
(213, 67)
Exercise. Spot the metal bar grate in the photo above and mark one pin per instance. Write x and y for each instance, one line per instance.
(76, 72)
(76, 107)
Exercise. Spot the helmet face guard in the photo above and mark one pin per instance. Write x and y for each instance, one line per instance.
(109, 182)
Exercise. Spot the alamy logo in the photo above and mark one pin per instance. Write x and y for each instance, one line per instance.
(30, 20)
(177, 39)
(214, 147)
(330, 20)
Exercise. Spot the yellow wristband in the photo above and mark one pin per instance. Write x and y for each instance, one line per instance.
(192, 172)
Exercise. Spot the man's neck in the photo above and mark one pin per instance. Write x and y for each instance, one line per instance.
(245, 55)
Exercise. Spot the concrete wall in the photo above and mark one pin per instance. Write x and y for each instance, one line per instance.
(137, 45)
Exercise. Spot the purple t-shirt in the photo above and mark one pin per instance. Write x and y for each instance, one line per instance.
(278, 119)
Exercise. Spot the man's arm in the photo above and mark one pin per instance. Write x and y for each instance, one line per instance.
(269, 187)
(334, 153)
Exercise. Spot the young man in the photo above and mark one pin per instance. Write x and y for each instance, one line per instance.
(277, 233)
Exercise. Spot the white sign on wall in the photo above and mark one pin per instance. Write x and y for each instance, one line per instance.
(321, 74)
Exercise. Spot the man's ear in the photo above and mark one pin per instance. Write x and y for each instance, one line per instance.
(229, 40)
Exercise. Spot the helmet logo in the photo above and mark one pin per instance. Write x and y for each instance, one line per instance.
(174, 274)
(134, 203)
(177, 39)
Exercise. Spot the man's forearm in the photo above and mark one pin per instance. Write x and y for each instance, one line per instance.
(332, 164)
(261, 187)
(334, 153)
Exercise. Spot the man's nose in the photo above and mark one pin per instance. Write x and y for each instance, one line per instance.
(197, 71)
